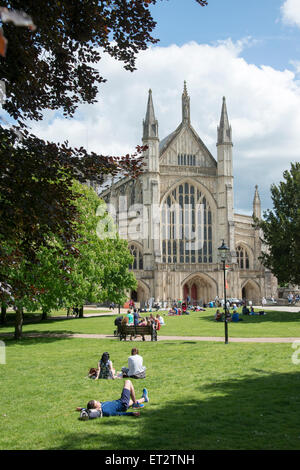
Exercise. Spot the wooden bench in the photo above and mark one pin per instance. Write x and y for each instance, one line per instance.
(138, 331)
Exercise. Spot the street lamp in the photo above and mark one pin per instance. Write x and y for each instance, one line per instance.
(224, 255)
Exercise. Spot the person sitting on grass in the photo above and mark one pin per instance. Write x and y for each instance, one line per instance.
(228, 316)
(235, 317)
(218, 316)
(252, 312)
(174, 311)
(135, 369)
(105, 368)
(261, 312)
(97, 409)
(160, 319)
(245, 310)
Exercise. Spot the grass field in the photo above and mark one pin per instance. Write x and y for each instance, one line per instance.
(273, 324)
(203, 395)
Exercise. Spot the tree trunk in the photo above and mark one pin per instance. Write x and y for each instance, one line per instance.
(3, 314)
(81, 312)
(19, 323)
(44, 314)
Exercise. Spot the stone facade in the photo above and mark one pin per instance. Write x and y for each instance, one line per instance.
(176, 214)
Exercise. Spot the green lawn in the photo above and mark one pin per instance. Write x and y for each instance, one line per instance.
(273, 324)
(203, 395)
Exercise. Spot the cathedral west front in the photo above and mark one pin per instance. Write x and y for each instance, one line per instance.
(178, 212)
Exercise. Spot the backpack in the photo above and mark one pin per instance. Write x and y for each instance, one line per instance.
(89, 414)
(84, 415)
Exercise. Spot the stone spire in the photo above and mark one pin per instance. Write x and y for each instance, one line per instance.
(186, 116)
(224, 129)
(256, 204)
(150, 124)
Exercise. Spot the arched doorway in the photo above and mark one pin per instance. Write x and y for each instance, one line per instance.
(134, 295)
(141, 294)
(200, 290)
(251, 291)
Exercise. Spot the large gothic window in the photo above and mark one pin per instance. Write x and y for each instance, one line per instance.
(186, 224)
(138, 258)
(242, 257)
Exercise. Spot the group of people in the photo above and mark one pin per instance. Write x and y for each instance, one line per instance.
(293, 298)
(133, 318)
(234, 316)
(106, 370)
(179, 310)
(119, 407)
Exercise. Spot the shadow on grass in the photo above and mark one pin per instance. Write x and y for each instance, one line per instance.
(41, 327)
(271, 316)
(29, 341)
(33, 318)
(251, 412)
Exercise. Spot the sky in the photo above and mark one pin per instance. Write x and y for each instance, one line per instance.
(245, 50)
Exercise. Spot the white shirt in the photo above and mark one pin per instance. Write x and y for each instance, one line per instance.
(135, 365)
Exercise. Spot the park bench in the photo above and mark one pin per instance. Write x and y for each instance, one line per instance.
(134, 331)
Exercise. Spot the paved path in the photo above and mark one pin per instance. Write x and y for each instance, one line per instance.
(104, 312)
(160, 338)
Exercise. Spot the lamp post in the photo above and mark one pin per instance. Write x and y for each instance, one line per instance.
(224, 255)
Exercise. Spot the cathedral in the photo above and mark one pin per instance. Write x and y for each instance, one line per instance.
(177, 213)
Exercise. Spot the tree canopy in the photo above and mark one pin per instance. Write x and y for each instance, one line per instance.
(281, 228)
(52, 66)
(92, 270)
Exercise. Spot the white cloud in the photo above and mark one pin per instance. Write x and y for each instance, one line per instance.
(263, 106)
(291, 12)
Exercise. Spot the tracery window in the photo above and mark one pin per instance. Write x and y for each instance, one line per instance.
(186, 159)
(186, 224)
(242, 257)
(138, 258)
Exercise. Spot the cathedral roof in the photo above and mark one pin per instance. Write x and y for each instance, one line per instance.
(163, 144)
(185, 124)
(166, 142)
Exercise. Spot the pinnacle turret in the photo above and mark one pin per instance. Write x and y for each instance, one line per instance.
(150, 124)
(186, 113)
(224, 129)
(256, 204)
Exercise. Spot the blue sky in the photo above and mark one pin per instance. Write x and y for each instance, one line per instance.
(182, 21)
(248, 51)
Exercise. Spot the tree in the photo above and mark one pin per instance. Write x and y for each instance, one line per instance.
(281, 228)
(93, 270)
(52, 68)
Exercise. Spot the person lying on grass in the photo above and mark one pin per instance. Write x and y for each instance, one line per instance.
(97, 409)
